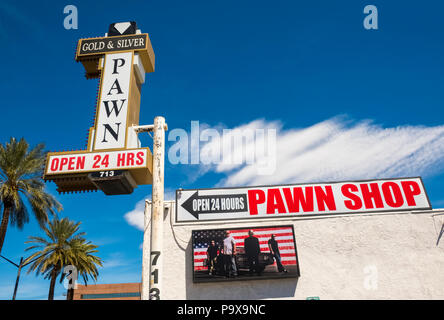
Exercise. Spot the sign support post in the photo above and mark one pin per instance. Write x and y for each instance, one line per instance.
(152, 276)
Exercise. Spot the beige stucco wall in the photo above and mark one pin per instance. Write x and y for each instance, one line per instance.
(365, 256)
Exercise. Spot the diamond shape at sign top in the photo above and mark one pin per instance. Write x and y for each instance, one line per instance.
(122, 26)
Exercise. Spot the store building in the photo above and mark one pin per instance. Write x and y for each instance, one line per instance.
(382, 255)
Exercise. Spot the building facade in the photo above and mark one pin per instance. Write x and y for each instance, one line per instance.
(389, 255)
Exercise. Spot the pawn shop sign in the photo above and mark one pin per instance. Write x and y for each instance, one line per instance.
(401, 194)
(120, 60)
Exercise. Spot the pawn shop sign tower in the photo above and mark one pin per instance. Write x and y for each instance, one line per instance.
(114, 160)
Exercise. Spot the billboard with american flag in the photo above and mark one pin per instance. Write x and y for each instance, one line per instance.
(244, 253)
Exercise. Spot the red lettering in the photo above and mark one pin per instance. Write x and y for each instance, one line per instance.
(374, 194)
(275, 201)
(80, 163)
(63, 162)
(96, 161)
(140, 159)
(54, 164)
(299, 198)
(105, 161)
(355, 202)
(130, 159)
(325, 198)
(120, 159)
(390, 189)
(411, 189)
(71, 163)
(255, 197)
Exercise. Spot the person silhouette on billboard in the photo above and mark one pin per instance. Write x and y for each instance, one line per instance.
(212, 256)
(229, 254)
(252, 250)
(274, 249)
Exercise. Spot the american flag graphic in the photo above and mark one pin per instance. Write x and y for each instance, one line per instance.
(283, 235)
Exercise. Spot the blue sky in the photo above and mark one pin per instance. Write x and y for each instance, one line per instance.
(307, 68)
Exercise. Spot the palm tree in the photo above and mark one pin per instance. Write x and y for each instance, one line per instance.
(21, 178)
(85, 261)
(63, 246)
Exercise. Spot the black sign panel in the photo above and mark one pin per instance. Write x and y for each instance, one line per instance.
(107, 174)
(113, 30)
(113, 182)
(111, 44)
(213, 204)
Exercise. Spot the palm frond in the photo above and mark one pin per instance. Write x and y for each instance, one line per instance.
(64, 245)
(22, 190)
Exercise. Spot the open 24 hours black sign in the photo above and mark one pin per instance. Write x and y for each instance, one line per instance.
(398, 194)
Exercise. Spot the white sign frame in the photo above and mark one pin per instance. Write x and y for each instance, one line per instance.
(422, 201)
(114, 98)
(98, 159)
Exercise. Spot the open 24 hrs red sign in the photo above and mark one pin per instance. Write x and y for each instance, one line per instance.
(78, 161)
(401, 194)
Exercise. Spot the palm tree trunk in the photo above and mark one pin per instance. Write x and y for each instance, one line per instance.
(52, 284)
(4, 225)
(70, 294)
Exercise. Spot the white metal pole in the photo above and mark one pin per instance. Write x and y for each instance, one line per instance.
(155, 282)
(146, 247)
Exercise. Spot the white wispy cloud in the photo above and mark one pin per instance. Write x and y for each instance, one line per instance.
(332, 150)
(135, 217)
(340, 149)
